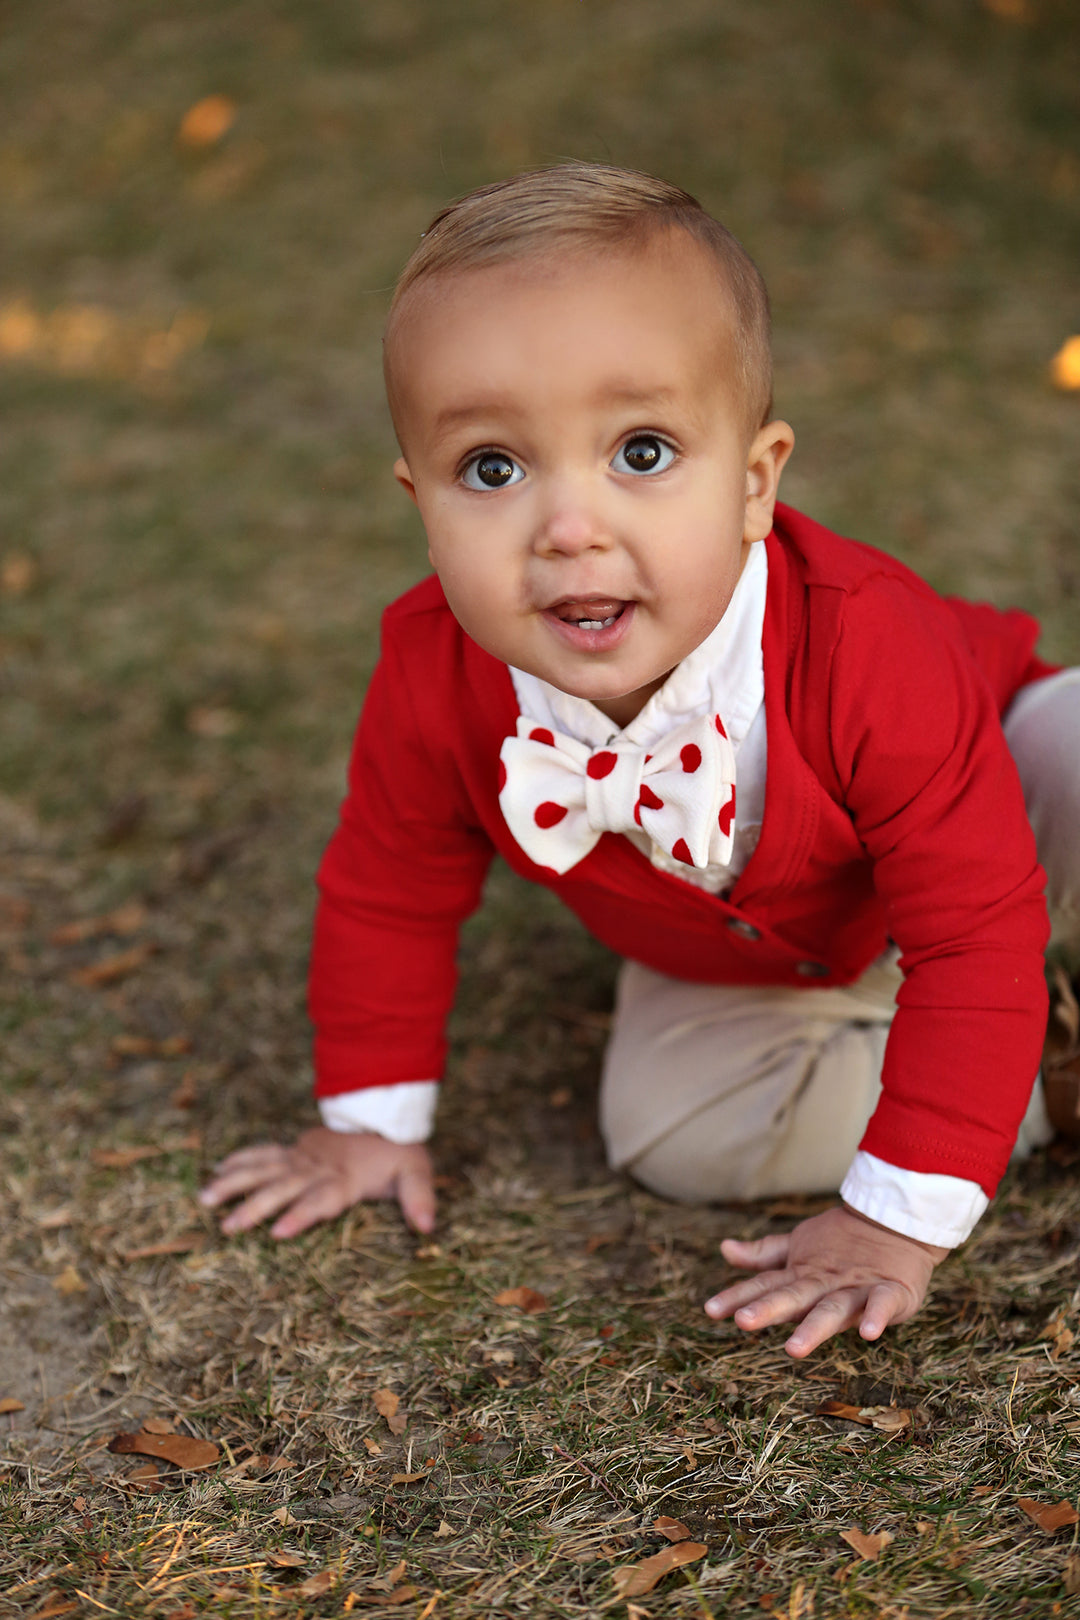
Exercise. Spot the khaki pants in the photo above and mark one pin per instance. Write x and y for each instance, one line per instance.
(732, 1091)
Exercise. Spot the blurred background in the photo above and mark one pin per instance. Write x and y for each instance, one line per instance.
(202, 210)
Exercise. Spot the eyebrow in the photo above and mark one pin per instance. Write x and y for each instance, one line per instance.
(619, 393)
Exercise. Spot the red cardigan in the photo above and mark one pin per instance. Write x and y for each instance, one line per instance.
(892, 811)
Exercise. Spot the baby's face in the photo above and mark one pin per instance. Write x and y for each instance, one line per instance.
(575, 440)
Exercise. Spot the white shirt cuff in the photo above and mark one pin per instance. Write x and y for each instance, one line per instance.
(932, 1209)
(402, 1113)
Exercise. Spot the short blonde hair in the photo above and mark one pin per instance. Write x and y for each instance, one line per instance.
(594, 205)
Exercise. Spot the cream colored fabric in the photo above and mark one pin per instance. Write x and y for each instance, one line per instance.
(1042, 729)
(733, 1092)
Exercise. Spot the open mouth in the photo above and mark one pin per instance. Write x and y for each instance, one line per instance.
(590, 614)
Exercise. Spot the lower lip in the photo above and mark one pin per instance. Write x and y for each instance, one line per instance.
(592, 641)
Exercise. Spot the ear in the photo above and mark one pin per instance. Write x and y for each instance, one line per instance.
(765, 461)
(404, 477)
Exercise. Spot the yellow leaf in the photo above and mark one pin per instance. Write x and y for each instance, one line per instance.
(1065, 366)
(207, 121)
(69, 1282)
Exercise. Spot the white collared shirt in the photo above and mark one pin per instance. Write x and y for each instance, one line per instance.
(725, 675)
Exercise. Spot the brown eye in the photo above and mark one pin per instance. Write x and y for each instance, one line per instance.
(492, 470)
(644, 454)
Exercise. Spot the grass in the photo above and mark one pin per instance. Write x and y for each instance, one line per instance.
(198, 530)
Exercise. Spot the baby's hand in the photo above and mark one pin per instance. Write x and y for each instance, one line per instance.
(832, 1271)
(321, 1174)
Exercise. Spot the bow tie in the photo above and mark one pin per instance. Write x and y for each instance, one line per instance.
(558, 796)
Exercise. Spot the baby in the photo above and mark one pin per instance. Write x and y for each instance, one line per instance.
(766, 765)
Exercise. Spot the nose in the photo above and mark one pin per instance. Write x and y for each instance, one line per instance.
(570, 525)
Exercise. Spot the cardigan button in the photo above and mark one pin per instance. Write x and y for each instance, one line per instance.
(744, 929)
(812, 970)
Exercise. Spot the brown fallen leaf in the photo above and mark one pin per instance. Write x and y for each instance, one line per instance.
(522, 1299)
(1049, 1516)
(127, 919)
(407, 1479)
(10, 1404)
(179, 1245)
(401, 1594)
(156, 1425)
(286, 1560)
(257, 1461)
(18, 571)
(212, 720)
(186, 1094)
(634, 1580)
(317, 1584)
(278, 1464)
(69, 1282)
(673, 1529)
(110, 969)
(179, 1449)
(444, 1529)
(207, 121)
(53, 1608)
(120, 1158)
(386, 1582)
(870, 1547)
(889, 1419)
(386, 1402)
(372, 1445)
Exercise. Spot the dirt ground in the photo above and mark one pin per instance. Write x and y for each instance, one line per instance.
(202, 210)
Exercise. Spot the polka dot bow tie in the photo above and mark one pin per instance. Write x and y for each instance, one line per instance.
(559, 796)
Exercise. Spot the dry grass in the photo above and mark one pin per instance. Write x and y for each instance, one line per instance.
(197, 531)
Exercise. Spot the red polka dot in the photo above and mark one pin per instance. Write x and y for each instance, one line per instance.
(681, 852)
(548, 814)
(542, 734)
(691, 758)
(649, 799)
(720, 726)
(502, 776)
(726, 814)
(601, 765)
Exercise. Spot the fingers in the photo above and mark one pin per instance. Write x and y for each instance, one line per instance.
(888, 1303)
(265, 1201)
(241, 1171)
(830, 1315)
(320, 1202)
(759, 1254)
(740, 1294)
(416, 1195)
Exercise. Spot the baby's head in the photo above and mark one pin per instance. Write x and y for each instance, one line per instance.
(578, 368)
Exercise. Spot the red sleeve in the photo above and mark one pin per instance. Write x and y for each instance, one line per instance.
(404, 868)
(937, 804)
